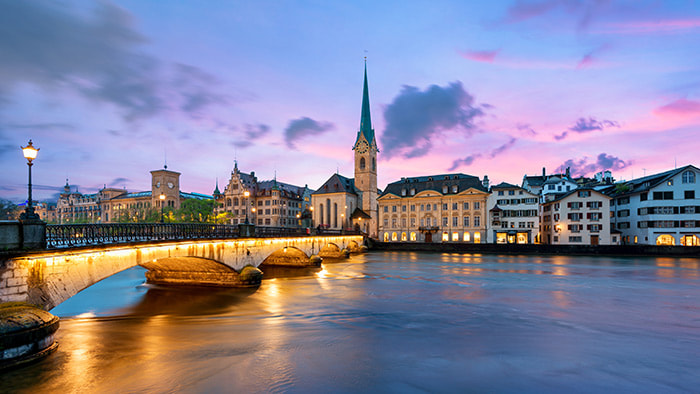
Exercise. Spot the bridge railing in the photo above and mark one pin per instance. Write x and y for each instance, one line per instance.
(74, 235)
(68, 235)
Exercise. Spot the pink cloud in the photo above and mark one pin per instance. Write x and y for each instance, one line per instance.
(662, 26)
(481, 56)
(679, 108)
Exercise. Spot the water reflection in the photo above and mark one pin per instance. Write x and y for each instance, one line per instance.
(186, 300)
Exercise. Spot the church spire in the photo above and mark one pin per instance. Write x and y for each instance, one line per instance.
(365, 119)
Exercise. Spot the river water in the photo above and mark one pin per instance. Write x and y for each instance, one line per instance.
(389, 322)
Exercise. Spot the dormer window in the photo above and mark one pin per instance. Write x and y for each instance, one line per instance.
(403, 192)
(413, 191)
(455, 188)
(688, 177)
(444, 189)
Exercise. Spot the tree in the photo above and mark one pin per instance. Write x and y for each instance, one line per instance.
(8, 210)
(195, 211)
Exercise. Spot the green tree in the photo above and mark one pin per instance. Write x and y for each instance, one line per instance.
(8, 210)
(195, 211)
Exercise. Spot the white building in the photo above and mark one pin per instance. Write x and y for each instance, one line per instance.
(579, 217)
(513, 215)
(659, 209)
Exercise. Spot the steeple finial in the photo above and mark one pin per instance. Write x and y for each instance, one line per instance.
(216, 190)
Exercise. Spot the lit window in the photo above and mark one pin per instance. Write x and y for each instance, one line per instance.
(413, 236)
(477, 237)
(403, 237)
(455, 236)
(665, 239)
(445, 236)
(466, 237)
(393, 237)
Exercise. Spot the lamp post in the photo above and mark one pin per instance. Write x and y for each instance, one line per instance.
(162, 204)
(246, 194)
(29, 153)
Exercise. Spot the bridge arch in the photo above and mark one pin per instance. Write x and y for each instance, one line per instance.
(288, 256)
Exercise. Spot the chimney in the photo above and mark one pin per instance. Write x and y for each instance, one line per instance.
(544, 174)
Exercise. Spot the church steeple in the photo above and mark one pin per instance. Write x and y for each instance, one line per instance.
(365, 119)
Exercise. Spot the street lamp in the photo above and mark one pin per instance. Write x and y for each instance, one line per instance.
(29, 153)
(246, 194)
(162, 204)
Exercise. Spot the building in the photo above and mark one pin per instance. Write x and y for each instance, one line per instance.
(435, 208)
(111, 205)
(547, 186)
(343, 202)
(659, 209)
(513, 215)
(579, 217)
(263, 203)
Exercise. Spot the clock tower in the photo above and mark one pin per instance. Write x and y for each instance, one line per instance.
(366, 163)
(167, 183)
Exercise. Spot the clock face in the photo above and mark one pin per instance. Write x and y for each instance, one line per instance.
(170, 185)
(362, 147)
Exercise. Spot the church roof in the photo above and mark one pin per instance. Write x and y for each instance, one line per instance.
(365, 119)
(360, 214)
(337, 184)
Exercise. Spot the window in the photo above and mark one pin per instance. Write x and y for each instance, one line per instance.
(386, 223)
(455, 221)
(427, 207)
(643, 196)
(477, 237)
(465, 205)
(623, 213)
(454, 206)
(466, 221)
(403, 192)
(477, 205)
(466, 237)
(393, 223)
(623, 200)
(413, 191)
(445, 236)
(444, 221)
(689, 194)
(403, 222)
(500, 192)
(422, 207)
(413, 222)
(403, 236)
(477, 223)
(584, 193)
(393, 208)
(386, 208)
(455, 236)
(444, 207)
(403, 208)
(444, 189)
(413, 236)
(362, 163)
(663, 195)
(575, 239)
(413, 208)
(688, 177)
(454, 188)
(394, 237)
(511, 192)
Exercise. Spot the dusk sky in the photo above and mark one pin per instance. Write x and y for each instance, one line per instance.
(107, 89)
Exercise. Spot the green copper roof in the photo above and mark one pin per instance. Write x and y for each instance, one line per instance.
(365, 120)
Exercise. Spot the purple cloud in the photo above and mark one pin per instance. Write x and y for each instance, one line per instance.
(480, 56)
(417, 118)
(584, 125)
(582, 167)
(464, 162)
(302, 127)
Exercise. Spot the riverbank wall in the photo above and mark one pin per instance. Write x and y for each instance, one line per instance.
(541, 249)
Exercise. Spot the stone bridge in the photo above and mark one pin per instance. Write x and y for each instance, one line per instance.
(47, 278)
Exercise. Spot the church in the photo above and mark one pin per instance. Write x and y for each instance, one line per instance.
(351, 203)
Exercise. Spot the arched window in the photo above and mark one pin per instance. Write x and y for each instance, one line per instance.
(386, 237)
(228, 202)
(393, 237)
(665, 239)
(320, 212)
(403, 236)
(689, 177)
(235, 201)
(445, 236)
(362, 163)
(328, 211)
(335, 214)
(477, 237)
(374, 164)
(466, 237)
(413, 236)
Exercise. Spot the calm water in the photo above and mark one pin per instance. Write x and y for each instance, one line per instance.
(389, 322)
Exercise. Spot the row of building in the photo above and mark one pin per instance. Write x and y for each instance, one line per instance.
(551, 209)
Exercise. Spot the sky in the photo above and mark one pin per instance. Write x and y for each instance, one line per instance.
(112, 90)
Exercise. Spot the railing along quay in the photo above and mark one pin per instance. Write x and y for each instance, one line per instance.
(75, 235)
